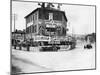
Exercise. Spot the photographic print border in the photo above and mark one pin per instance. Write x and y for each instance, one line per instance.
(51, 71)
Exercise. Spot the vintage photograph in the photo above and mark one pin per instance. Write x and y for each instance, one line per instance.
(52, 37)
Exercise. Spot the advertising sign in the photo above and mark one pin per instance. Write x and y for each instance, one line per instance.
(41, 38)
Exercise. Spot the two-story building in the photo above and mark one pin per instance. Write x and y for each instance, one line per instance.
(46, 21)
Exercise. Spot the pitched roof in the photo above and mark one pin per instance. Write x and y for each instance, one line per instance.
(32, 12)
(49, 9)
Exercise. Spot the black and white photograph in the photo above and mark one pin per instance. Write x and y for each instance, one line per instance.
(52, 37)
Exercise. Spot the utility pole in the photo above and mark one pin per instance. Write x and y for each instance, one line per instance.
(14, 21)
(14, 31)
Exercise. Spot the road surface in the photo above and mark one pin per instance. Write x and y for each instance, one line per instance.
(78, 58)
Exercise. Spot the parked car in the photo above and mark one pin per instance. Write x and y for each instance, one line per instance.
(88, 46)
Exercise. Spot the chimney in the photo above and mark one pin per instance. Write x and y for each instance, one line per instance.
(42, 5)
(59, 6)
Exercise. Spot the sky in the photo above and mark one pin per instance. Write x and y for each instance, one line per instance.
(81, 19)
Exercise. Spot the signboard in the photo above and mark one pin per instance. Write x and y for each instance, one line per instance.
(54, 42)
(51, 26)
(29, 24)
(42, 38)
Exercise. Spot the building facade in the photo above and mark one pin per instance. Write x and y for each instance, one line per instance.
(18, 36)
(45, 21)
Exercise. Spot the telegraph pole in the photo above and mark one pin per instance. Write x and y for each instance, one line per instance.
(14, 21)
(14, 32)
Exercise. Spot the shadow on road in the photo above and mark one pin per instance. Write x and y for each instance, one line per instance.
(15, 70)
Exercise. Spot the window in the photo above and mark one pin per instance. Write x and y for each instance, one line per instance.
(27, 29)
(33, 17)
(27, 20)
(43, 14)
(36, 16)
(35, 28)
(46, 16)
(57, 16)
(31, 29)
(50, 16)
(40, 14)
